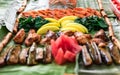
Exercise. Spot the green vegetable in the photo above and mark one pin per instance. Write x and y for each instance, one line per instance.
(93, 23)
(31, 23)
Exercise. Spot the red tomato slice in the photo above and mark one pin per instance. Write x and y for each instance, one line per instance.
(59, 59)
(69, 56)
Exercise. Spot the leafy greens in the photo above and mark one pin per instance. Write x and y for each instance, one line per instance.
(93, 23)
(31, 23)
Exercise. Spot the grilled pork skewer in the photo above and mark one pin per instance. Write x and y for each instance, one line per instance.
(23, 56)
(13, 55)
(19, 37)
(19, 13)
(4, 55)
(6, 39)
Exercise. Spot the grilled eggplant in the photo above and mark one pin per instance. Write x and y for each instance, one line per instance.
(96, 54)
(114, 51)
(48, 54)
(13, 55)
(23, 56)
(105, 55)
(31, 57)
(86, 57)
(39, 54)
(4, 55)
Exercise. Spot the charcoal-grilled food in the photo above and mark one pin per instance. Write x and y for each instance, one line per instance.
(6, 39)
(4, 55)
(49, 35)
(97, 56)
(13, 55)
(39, 54)
(48, 54)
(101, 34)
(68, 33)
(31, 57)
(32, 37)
(23, 56)
(19, 37)
(105, 55)
(86, 57)
(114, 51)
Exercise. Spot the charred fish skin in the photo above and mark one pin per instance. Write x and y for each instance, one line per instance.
(105, 55)
(115, 54)
(86, 57)
(39, 54)
(23, 56)
(97, 56)
(31, 57)
(48, 54)
(4, 55)
(13, 55)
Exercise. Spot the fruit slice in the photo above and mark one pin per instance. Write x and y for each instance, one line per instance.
(69, 56)
(52, 20)
(80, 27)
(66, 22)
(59, 59)
(54, 48)
(51, 24)
(67, 18)
(44, 30)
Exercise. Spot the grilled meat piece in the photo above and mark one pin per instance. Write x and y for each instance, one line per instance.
(48, 54)
(13, 55)
(23, 56)
(114, 51)
(49, 35)
(39, 54)
(78, 34)
(83, 39)
(32, 37)
(31, 57)
(5, 40)
(105, 55)
(96, 54)
(19, 37)
(3, 55)
(68, 33)
(86, 57)
(101, 34)
(97, 40)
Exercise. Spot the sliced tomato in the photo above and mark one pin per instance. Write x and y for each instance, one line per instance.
(59, 59)
(70, 56)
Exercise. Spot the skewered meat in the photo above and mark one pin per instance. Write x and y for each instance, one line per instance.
(32, 37)
(31, 57)
(39, 54)
(105, 55)
(96, 54)
(13, 55)
(114, 51)
(19, 37)
(78, 34)
(101, 34)
(4, 55)
(50, 35)
(48, 54)
(86, 57)
(6, 39)
(23, 56)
